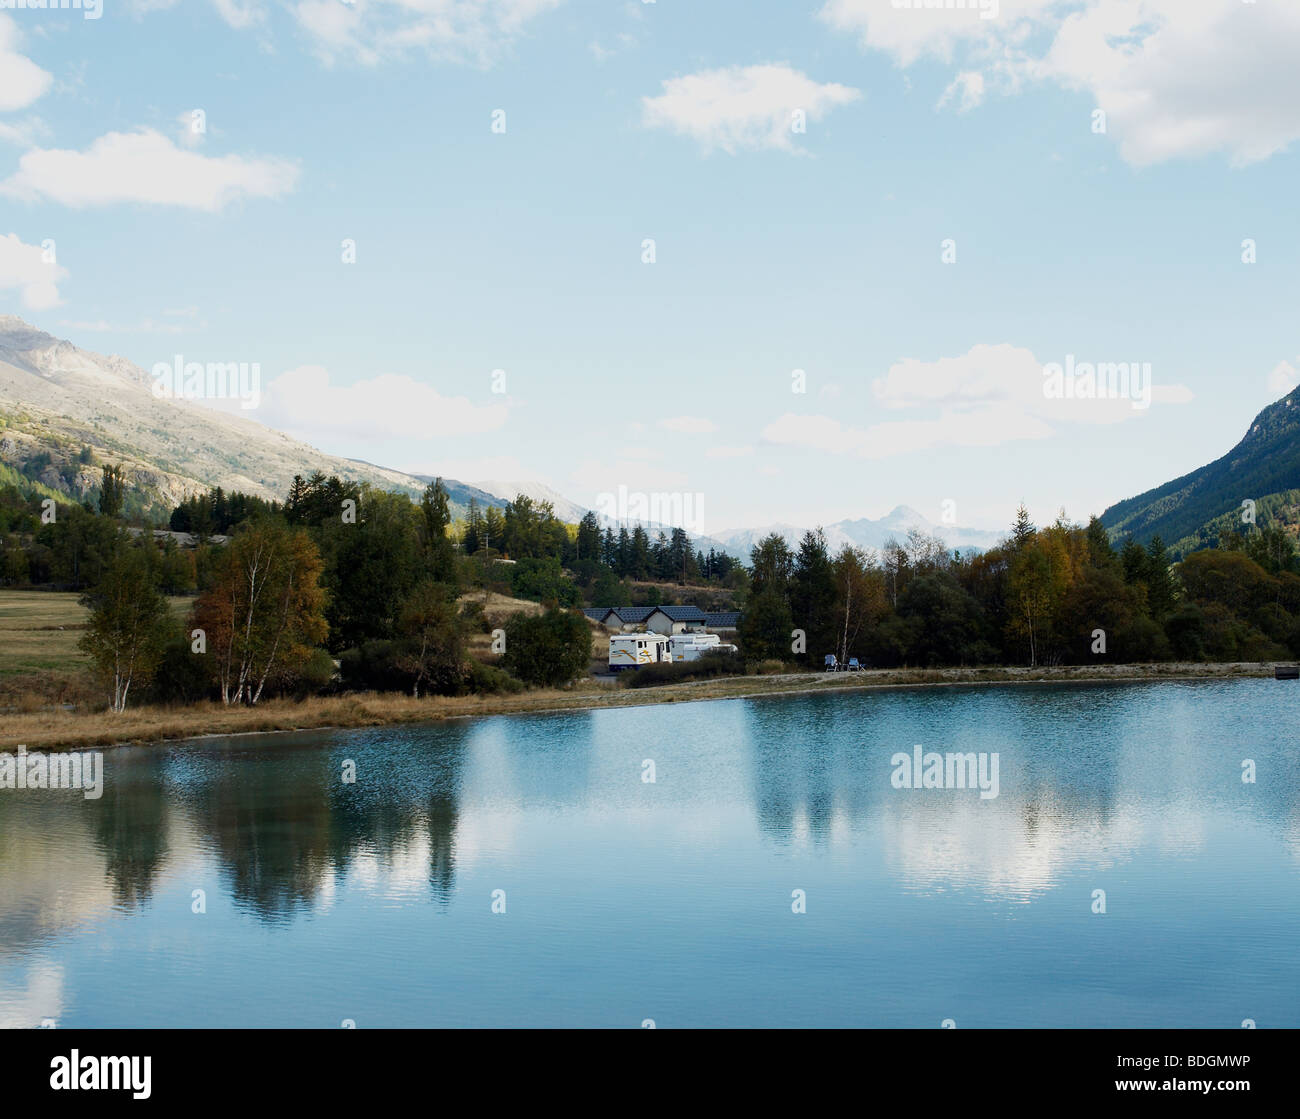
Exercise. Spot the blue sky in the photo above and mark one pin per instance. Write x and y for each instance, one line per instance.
(775, 250)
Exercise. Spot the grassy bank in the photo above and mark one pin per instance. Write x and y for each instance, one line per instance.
(60, 729)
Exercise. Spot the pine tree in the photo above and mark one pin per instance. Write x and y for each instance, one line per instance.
(112, 492)
(473, 538)
(1160, 586)
(435, 511)
(1100, 553)
(1022, 532)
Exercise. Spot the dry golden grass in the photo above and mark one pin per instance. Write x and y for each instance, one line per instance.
(498, 607)
(67, 729)
(39, 631)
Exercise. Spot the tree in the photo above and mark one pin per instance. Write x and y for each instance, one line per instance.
(1272, 548)
(771, 564)
(372, 565)
(1031, 598)
(1160, 586)
(1022, 531)
(640, 554)
(435, 516)
(680, 557)
(315, 501)
(548, 649)
(623, 552)
(1100, 552)
(1231, 579)
(434, 645)
(588, 542)
(947, 621)
(493, 528)
(112, 491)
(472, 539)
(82, 546)
(1133, 559)
(859, 596)
(765, 626)
(894, 557)
(1099, 600)
(129, 625)
(812, 594)
(265, 611)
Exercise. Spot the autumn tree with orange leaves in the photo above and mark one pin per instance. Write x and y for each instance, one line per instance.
(264, 615)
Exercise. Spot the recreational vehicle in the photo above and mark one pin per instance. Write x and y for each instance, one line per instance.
(692, 646)
(634, 650)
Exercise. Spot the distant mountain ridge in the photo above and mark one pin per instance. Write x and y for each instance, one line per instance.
(1189, 512)
(56, 398)
(863, 532)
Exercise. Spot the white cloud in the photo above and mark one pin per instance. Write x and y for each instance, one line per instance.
(1283, 379)
(916, 32)
(622, 42)
(992, 375)
(1176, 78)
(991, 427)
(23, 134)
(239, 14)
(23, 267)
(371, 31)
(305, 403)
(638, 476)
(495, 466)
(21, 80)
(144, 166)
(145, 326)
(991, 395)
(689, 425)
(728, 452)
(742, 107)
(967, 89)
(1184, 78)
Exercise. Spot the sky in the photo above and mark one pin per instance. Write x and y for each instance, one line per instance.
(799, 262)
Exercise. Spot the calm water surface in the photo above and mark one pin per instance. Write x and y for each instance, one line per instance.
(627, 900)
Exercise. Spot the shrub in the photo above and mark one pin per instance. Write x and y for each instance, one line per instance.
(472, 618)
(487, 679)
(549, 649)
(371, 667)
(543, 580)
(1142, 641)
(183, 676)
(316, 675)
(709, 665)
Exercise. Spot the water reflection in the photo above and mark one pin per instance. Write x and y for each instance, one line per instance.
(1144, 781)
(130, 825)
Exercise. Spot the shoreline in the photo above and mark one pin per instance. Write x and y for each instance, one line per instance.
(63, 730)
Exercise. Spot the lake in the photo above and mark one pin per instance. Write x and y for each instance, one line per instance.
(762, 870)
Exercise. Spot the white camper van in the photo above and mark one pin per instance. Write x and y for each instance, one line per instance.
(692, 646)
(634, 650)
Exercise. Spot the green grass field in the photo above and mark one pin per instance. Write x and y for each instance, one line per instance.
(39, 630)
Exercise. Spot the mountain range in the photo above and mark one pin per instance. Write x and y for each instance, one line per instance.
(1190, 512)
(865, 533)
(56, 399)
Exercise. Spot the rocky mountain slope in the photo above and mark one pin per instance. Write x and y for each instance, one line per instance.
(56, 398)
(1189, 512)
